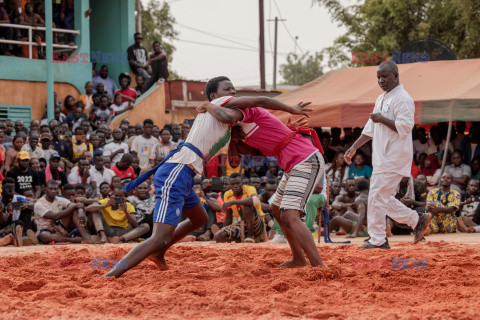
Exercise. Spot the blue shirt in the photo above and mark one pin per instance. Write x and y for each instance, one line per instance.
(110, 85)
(365, 172)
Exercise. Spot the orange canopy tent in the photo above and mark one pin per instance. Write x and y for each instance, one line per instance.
(442, 91)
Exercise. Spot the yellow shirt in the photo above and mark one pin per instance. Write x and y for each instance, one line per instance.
(116, 218)
(229, 169)
(237, 210)
(87, 102)
(79, 149)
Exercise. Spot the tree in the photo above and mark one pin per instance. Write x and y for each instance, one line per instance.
(301, 69)
(158, 25)
(385, 26)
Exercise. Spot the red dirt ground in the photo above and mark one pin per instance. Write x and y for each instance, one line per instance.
(240, 281)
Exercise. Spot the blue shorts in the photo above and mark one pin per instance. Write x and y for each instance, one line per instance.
(173, 189)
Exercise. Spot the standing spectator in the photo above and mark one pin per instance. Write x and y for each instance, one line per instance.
(59, 115)
(64, 18)
(19, 127)
(101, 92)
(109, 84)
(25, 177)
(128, 94)
(62, 147)
(102, 115)
(145, 145)
(457, 142)
(475, 166)
(79, 146)
(75, 118)
(99, 173)
(118, 107)
(87, 97)
(68, 106)
(471, 144)
(117, 148)
(176, 135)
(53, 172)
(7, 33)
(443, 203)
(47, 147)
(33, 149)
(421, 144)
(159, 63)
(140, 80)
(8, 131)
(116, 222)
(459, 171)
(137, 57)
(165, 145)
(439, 142)
(124, 168)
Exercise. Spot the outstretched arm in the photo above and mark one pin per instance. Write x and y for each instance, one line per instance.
(267, 103)
(224, 115)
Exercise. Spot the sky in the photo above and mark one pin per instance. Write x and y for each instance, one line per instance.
(219, 24)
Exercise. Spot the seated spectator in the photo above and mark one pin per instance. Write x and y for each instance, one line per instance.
(102, 115)
(358, 169)
(59, 115)
(105, 190)
(79, 146)
(118, 107)
(99, 173)
(68, 105)
(124, 168)
(345, 202)
(102, 92)
(335, 188)
(114, 219)
(107, 163)
(81, 175)
(19, 126)
(438, 146)
(35, 164)
(428, 166)
(136, 164)
(53, 172)
(32, 148)
(413, 194)
(255, 182)
(109, 85)
(137, 57)
(443, 203)
(87, 97)
(127, 93)
(144, 204)
(25, 177)
(165, 145)
(56, 217)
(241, 202)
(355, 223)
(316, 202)
(459, 171)
(475, 166)
(47, 148)
(11, 154)
(75, 118)
(211, 206)
(16, 217)
(117, 148)
(8, 131)
(59, 145)
(422, 143)
(468, 217)
(159, 63)
(325, 141)
(64, 18)
(140, 80)
(338, 169)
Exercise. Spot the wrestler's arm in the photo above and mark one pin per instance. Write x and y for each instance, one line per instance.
(267, 103)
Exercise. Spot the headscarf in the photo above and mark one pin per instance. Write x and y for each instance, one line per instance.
(435, 165)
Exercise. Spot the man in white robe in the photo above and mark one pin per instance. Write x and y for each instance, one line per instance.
(390, 128)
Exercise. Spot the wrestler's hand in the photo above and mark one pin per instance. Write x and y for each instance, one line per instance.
(349, 155)
(300, 122)
(203, 107)
(299, 108)
(376, 117)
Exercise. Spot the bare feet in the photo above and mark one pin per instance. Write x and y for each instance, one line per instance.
(214, 229)
(293, 264)
(205, 237)
(388, 230)
(103, 238)
(159, 260)
(188, 238)
(32, 236)
(95, 239)
(18, 239)
(5, 241)
(115, 239)
(340, 233)
(471, 230)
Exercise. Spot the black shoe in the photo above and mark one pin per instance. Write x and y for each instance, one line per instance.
(422, 225)
(368, 245)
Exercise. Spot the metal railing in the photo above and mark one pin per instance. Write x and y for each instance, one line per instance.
(30, 35)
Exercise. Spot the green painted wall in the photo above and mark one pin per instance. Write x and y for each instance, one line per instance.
(112, 26)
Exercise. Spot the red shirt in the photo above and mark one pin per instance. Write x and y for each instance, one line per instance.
(129, 93)
(126, 175)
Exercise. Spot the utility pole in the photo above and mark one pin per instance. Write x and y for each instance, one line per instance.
(274, 87)
(138, 17)
(262, 46)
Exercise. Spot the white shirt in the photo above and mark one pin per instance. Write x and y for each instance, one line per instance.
(144, 148)
(112, 147)
(100, 177)
(207, 134)
(392, 151)
(419, 147)
(74, 177)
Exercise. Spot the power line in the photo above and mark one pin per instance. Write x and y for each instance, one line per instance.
(224, 47)
(286, 28)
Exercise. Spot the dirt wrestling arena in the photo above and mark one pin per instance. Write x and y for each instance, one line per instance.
(239, 281)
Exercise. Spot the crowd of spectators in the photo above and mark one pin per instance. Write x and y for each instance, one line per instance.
(62, 181)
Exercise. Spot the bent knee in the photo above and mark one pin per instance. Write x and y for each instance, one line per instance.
(220, 236)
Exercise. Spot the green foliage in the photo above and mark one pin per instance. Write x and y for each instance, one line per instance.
(301, 69)
(158, 24)
(386, 25)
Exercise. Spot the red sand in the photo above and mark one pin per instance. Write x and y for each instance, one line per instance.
(232, 281)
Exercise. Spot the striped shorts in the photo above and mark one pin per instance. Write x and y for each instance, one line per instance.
(296, 187)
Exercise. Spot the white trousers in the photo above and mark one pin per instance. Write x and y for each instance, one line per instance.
(382, 202)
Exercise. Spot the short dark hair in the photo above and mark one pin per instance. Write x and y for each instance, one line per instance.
(156, 41)
(235, 175)
(165, 129)
(8, 180)
(103, 183)
(78, 129)
(148, 121)
(363, 185)
(137, 34)
(51, 183)
(80, 187)
(68, 186)
(212, 85)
